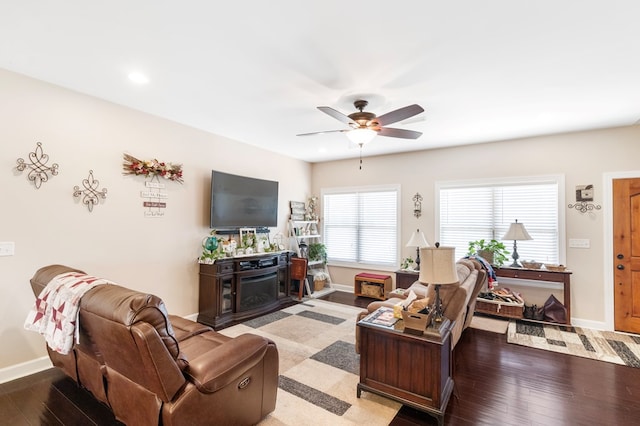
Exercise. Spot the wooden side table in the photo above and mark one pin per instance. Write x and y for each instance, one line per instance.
(405, 278)
(413, 370)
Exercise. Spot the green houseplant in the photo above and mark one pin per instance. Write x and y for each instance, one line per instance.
(492, 251)
(318, 251)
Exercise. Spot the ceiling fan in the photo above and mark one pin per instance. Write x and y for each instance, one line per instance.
(364, 126)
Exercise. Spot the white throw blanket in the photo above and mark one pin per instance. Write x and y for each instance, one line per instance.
(56, 311)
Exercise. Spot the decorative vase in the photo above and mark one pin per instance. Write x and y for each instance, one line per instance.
(210, 244)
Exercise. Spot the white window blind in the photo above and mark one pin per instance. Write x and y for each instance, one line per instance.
(361, 225)
(470, 212)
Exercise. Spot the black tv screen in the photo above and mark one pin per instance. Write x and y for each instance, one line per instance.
(239, 201)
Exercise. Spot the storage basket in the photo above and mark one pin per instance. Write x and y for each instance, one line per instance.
(318, 284)
(498, 307)
(372, 290)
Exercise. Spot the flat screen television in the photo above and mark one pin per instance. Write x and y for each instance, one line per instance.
(242, 202)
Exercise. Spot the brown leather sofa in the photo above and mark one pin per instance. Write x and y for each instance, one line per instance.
(458, 300)
(153, 368)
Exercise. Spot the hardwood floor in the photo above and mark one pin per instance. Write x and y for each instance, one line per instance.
(496, 383)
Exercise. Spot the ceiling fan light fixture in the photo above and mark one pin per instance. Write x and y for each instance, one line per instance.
(361, 136)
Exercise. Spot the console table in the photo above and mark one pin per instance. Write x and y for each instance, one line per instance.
(563, 277)
(413, 370)
(239, 288)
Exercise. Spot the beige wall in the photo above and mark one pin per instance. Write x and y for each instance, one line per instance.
(582, 158)
(158, 255)
(115, 241)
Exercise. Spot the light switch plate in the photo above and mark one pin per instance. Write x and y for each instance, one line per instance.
(584, 243)
(7, 248)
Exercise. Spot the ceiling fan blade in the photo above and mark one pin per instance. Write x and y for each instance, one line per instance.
(399, 114)
(399, 133)
(322, 132)
(337, 115)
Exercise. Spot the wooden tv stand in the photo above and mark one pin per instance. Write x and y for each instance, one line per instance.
(239, 288)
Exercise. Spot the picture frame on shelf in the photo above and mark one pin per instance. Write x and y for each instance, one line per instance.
(248, 237)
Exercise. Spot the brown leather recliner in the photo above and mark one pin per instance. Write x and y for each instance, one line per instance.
(152, 368)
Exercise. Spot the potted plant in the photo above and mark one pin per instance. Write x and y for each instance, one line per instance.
(406, 263)
(318, 251)
(492, 251)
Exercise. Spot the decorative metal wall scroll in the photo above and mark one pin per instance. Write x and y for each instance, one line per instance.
(38, 169)
(584, 207)
(417, 205)
(90, 194)
(584, 198)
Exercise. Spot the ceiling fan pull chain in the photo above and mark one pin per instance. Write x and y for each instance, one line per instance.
(360, 156)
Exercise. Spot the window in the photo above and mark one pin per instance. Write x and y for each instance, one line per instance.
(360, 225)
(470, 211)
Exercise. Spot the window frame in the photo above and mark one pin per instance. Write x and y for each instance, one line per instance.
(368, 188)
(558, 179)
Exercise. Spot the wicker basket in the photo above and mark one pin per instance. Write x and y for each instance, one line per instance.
(318, 284)
(372, 290)
(496, 307)
(555, 268)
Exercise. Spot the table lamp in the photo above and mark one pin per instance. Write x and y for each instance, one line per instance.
(418, 241)
(439, 268)
(516, 232)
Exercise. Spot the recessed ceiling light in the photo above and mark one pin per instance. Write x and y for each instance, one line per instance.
(138, 78)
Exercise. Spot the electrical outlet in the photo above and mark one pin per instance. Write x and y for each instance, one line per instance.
(584, 243)
(7, 248)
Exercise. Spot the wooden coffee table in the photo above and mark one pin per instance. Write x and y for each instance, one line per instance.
(413, 370)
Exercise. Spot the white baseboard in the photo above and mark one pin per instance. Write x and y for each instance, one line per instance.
(191, 317)
(594, 325)
(17, 371)
(342, 287)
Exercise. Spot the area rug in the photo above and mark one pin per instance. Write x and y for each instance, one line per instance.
(493, 325)
(609, 346)
(319, 368)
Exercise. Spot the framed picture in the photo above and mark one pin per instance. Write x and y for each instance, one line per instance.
(584, 193)
(297, 208)
(247, 237)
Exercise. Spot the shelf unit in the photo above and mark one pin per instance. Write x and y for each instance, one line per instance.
(303, 232)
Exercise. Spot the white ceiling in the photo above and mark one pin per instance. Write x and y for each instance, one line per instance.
(255, 70)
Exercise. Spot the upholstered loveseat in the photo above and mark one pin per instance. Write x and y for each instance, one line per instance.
(458, 300)
(153, 368)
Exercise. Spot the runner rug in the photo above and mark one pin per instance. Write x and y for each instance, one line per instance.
(609, 346)
(319, 367)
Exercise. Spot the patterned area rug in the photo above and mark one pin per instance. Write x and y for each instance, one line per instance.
(609, 346)
(319, 367)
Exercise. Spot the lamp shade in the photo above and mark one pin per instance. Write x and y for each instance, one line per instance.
(438, 265)
(517, 232)
(361, 136)
(417, 240)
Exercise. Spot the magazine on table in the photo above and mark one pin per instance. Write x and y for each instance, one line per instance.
(382, 316)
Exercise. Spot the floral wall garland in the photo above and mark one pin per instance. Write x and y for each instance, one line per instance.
(151, 168)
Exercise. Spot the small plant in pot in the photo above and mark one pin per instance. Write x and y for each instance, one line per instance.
(318, 251)
(492, 251)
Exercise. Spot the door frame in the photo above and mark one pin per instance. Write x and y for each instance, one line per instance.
(608, 178)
